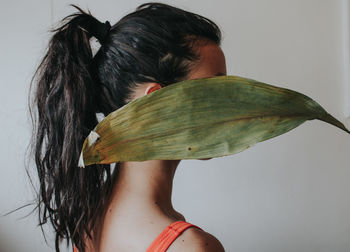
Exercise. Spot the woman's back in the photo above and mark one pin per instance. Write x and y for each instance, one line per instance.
(165, 235)
(138, 216)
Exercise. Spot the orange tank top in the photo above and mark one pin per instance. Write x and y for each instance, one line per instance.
(167, 236)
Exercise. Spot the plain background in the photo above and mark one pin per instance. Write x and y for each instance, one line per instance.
(290, 193)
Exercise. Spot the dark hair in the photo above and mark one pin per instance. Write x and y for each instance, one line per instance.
(155, 43)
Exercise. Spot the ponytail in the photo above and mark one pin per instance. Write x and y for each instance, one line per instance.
(65, 97)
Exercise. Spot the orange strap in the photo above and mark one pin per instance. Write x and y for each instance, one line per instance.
(169, 234)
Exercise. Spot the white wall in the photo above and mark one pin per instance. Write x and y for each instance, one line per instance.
(290, 193)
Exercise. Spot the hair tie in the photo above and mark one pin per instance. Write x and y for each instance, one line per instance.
(101, 31)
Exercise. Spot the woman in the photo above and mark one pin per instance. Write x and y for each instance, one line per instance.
(128, 207)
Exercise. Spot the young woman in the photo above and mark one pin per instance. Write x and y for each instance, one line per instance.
(127, 207)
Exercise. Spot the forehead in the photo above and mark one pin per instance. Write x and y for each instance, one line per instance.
(212, 61)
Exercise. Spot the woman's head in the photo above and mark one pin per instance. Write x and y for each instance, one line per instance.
(153, 47)
(211, 63)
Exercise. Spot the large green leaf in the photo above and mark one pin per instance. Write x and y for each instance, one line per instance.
(200, 118)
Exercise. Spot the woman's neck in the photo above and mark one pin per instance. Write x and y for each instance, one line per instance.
(145, 185)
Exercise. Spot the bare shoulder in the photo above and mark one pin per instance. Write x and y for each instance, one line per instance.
(196, 240)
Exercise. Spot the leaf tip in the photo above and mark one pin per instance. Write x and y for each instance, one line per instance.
(330, 119)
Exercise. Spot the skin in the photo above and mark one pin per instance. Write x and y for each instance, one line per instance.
(140, 206)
